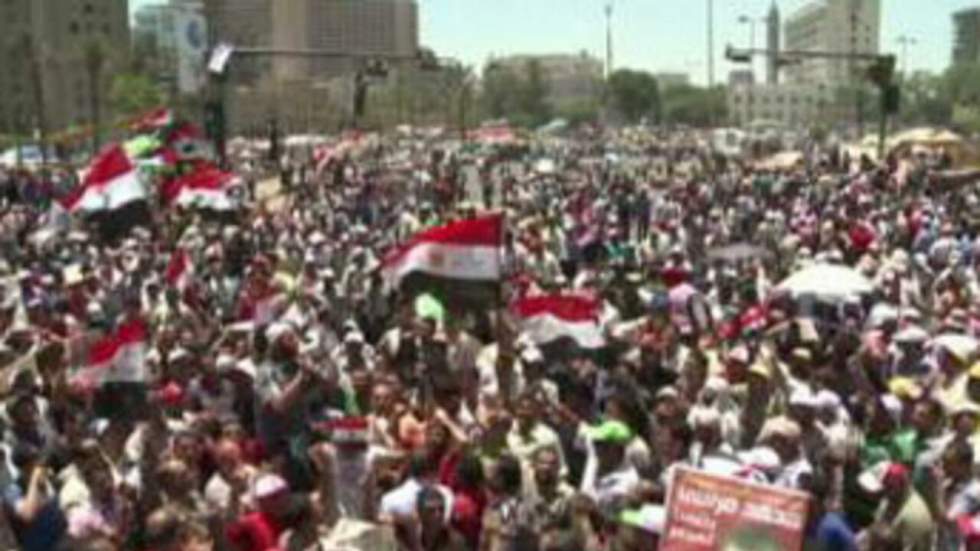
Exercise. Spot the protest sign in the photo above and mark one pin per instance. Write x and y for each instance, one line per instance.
(706, 512)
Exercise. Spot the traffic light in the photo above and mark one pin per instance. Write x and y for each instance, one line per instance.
(737, 56)
(882, 71)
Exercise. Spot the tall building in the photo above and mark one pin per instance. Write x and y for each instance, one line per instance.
(265, 85)
(837, 26)
(966, 36)
(56, 57)
(383, 27)
(241, 23)
(772, 45)
(173, 40)
(741, 77)
(570, 78)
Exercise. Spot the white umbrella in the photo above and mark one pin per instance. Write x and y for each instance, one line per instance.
(961, 346)
(545, 166)
(828, 281)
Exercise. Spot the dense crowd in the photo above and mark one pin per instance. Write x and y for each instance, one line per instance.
(290, 399)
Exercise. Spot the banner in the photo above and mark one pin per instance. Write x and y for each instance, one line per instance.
(714, 513)
(192, 42)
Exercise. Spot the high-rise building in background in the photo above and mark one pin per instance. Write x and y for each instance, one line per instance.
(837, 26)
(388, 28)
(966, 36)
(812, 91)
(242, 23)
(57, 56)
(172, 42)
(772, 45)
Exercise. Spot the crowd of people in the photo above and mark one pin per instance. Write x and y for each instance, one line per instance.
(290, 399)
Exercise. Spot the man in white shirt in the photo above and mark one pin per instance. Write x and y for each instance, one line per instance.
(613, 479)
(400, 503)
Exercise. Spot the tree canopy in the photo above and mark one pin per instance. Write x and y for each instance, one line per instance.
(635, 94)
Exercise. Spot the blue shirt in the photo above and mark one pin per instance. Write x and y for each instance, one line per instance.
(44, 533)
(834, 534)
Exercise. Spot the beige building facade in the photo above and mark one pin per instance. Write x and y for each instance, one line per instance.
(43, 70)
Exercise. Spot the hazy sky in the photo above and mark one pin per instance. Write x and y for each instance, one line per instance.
(659, 35)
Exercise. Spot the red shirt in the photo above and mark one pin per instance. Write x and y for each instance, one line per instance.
(254, 532)
(467, 519)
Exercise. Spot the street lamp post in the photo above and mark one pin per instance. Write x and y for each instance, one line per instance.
(750, 21)
(711, 44)
(905, 41)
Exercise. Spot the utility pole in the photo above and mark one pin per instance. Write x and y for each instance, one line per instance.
(609, 40)
(905, 41)
(711, 44)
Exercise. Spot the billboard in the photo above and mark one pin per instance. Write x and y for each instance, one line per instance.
(707, 512)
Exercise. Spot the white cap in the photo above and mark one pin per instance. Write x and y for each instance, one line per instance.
(803, 397)
(269, 485)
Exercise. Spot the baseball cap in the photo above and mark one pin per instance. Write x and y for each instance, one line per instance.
(611, 432)
(268, 485)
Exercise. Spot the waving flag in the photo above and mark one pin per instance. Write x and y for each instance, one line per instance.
(117, 357)
(154, 120)
(549, 318)
(460, 259)
(207, 187)
(111, 183)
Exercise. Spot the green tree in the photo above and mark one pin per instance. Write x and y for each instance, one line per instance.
(501, 88)
(534, 95)
(578, 111)
(133, 93)
(635, 94)
(962, 89)
(694, 105)
(925, 100)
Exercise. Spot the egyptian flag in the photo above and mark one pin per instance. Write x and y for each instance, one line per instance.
(546, 319)
(460, 260)
(154, 120)
(116, 358)
(205, 187)
(112, 182)
(187, 142)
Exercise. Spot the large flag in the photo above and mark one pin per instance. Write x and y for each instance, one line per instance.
(117, 357)
(111, 183)
(549, 318)
(460, 259)
(187, 142)
(206, 187)
(153, 120)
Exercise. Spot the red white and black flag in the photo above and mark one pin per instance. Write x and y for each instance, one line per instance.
(549, 318)
(460, 259)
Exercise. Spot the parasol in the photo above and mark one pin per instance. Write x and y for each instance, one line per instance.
(828, 281)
